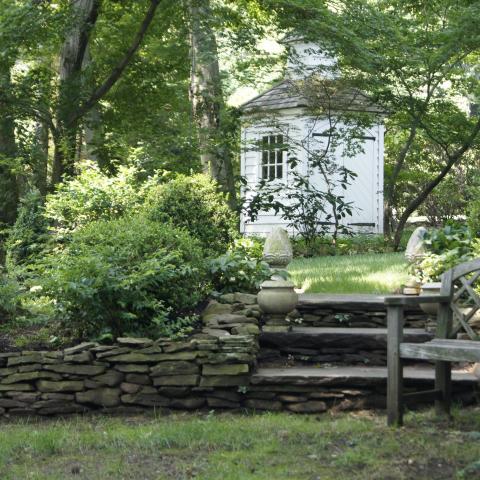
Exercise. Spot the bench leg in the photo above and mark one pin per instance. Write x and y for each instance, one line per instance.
(443, 382)
(395, 368)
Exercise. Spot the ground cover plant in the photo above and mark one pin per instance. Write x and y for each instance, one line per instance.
(210, 446)
(371, 273)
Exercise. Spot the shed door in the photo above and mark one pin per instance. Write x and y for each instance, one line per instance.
(362, 191)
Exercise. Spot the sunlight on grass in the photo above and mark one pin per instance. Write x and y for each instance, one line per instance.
(373, 273)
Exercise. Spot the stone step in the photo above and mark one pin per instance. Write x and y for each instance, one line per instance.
(349, 301)
(318, 338)
(351, 376)
(352, 310)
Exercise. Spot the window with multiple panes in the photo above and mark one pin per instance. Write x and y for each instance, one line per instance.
(273, 155)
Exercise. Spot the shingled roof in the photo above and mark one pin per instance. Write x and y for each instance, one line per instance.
(287, 94)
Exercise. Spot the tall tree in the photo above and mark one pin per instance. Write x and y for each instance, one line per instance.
(84, 15)
(73, 104)
(207, 97)
(416, 60)
(8, 181)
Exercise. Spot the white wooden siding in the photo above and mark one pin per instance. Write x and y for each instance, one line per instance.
(366, 191)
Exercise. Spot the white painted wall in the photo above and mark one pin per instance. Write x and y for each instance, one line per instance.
(366, 191)
(305, 58)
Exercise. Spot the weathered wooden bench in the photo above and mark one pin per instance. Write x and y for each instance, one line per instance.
(457, 302)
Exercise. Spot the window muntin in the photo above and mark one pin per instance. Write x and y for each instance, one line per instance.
(273, 154)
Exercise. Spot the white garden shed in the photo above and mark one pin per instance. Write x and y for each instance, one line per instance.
(282, 116)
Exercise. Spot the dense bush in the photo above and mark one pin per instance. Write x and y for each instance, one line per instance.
(92, 195)
(195, 204)
(240, 269)
(124, 276)
(9, 297)
(29, 235)
(451, 237)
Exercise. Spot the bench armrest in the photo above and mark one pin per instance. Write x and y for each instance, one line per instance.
(414, 300)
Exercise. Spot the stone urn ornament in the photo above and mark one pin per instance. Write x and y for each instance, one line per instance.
(277, 297)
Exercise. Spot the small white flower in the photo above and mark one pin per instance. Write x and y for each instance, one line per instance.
(36, 288)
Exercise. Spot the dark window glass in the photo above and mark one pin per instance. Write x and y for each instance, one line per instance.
(272, 157)
(279, 156)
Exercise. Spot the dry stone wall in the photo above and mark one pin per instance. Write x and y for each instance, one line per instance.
(210, 369)
(213, 369)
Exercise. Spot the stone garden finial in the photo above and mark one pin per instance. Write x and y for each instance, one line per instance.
(277, 251)
(277, 296)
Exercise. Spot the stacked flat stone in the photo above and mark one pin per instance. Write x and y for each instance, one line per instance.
(348, 316)
(132, 373)
(233, 314)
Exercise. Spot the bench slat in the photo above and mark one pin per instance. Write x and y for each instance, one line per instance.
(437, 351)
(451, 341)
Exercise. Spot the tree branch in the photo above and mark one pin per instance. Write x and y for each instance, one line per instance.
(116, 73)
(421, 197)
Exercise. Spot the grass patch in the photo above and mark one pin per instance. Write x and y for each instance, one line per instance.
(230, 447)
(372, 273)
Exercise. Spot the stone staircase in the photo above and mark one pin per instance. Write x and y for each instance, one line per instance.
(334, 357)
(340, 364)
(344, 345)
(314, 390)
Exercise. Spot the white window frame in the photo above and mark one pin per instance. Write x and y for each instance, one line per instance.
(269, 158)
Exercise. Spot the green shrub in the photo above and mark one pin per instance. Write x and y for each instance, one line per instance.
(473, 218)
(446, 247)
(240, 269)
(92, 195)
(29, 236)
(250, 246)
(10, 302)
(195, 204)
(451, 237)
(124, 276)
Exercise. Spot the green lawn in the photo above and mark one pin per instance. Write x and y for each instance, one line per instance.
(213, 446)
(372, 273)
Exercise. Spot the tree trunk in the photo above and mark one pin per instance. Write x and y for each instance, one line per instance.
(40, 158)
(390, 187)
(8, 181)
(94, 138)
(93, 128)
(207, 98)
(85, 14)
(71, 108)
